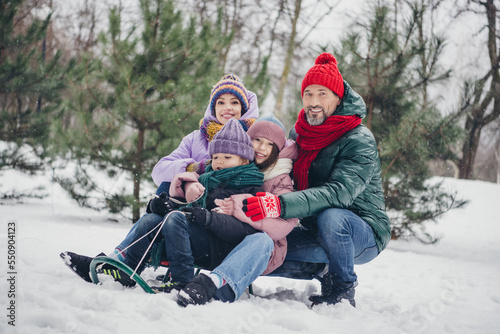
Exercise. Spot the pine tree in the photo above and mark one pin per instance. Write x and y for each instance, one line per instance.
(31, 80)
(147, 89)
(392, 65)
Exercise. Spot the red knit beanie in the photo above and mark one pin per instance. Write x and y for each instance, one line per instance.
(325, 73)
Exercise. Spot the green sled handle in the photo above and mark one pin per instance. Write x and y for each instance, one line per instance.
(118, 265)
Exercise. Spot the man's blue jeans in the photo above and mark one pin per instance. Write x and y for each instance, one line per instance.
(341, 240)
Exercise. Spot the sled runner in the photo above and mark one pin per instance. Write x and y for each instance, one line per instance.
(118, 265)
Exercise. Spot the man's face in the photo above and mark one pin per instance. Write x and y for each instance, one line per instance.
(319, 103)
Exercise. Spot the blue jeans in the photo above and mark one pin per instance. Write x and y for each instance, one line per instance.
(341, 240)
(186, 244)
(119, 250)
(243, 265)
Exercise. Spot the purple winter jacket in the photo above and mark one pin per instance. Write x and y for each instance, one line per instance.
(194, 147)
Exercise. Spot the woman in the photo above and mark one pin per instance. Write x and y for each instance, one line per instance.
(228, 99)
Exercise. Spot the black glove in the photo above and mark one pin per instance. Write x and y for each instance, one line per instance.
(197, 215)
(161, 205)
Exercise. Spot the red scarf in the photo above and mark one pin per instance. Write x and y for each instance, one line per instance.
(312, 138)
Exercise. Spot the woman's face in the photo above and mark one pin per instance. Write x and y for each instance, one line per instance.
(263, 148)
(227, 106)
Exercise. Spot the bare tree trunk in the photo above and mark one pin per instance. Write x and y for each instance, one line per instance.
(469, 149)
(453, 165)
(477, 118)
(496, 151)
(137, 176)
(369, 112)
(288, 61)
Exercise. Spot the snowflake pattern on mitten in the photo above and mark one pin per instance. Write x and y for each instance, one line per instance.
(270, 205)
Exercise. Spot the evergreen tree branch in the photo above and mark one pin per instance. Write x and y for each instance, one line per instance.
(401, 150)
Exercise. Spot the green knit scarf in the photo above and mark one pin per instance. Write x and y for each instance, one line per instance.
(231, 178)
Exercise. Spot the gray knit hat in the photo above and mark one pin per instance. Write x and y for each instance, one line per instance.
(232, 139)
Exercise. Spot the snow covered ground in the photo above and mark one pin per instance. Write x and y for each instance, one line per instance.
(450, 287)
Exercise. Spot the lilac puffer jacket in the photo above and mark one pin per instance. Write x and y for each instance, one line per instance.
(193, 147)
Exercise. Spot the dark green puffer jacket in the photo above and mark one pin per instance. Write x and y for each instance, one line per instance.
(346, 175)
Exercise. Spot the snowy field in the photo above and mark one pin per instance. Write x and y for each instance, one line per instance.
(450, 287)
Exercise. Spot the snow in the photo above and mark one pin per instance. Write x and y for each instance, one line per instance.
(448, 287)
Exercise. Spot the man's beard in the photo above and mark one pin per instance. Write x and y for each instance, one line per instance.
(315, 120)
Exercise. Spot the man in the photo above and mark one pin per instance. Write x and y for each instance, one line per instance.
(339, 200)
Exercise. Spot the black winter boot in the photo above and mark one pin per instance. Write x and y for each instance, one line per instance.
(197, 292)
(118, 275)
(79, 264)
(333, 291)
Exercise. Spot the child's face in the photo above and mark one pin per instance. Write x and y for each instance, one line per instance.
(227, 106)
(222, 161)
(263, 148)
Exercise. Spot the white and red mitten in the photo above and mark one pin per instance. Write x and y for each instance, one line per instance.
(261, 206)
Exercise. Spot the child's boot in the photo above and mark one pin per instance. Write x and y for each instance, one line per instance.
(197, 292)
(79, 264)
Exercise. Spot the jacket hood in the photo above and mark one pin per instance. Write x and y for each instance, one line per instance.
(252, 112)
(352, 103)
(289, 151)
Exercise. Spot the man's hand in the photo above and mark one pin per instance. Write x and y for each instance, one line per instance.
(261, 206)
(161, 205)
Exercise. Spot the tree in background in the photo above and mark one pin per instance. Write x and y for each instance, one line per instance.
(271, 36)
(25, 76)
(295, 41)
(487, 162)
(31, 79)
(133, 102)
(391, 61)
(79, 26)
(481, 97)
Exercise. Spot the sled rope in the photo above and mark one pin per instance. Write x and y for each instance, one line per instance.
(160, 225)
(152, 241)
